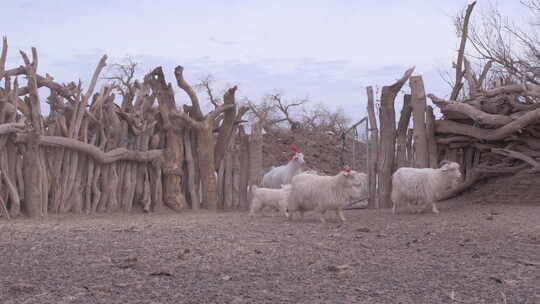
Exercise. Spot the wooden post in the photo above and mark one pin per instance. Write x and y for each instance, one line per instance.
(433, 155)
(388, 139)
(193, 191)
(255, 154)
(236, 177)
(373, 151)
(419, 122)
(221, 185)
(228, 182)
(410, 148)
(244, 169)
(403, 125)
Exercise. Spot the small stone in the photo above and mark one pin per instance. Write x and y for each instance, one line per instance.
(363, 229)
(22, 287)
(226, 278)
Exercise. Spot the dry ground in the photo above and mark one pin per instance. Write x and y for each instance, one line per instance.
(470, 253)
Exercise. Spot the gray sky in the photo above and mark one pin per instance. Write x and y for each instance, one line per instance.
(326, 50)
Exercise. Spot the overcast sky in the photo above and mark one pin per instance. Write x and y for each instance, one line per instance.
(328, 51)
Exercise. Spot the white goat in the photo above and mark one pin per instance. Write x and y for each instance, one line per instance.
(266, 197)
(421, 187)
(322, 193)
(283, 175)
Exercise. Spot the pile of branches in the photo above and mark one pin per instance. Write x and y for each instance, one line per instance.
(491, 122)
(494, 130)
(92, 153)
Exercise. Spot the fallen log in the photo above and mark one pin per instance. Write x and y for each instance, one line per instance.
(518, 155)
(451, 127)
(470, 111)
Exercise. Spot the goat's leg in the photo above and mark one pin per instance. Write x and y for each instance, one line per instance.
(321, 215)
(339, 212)
(255, 207)
(434, 208)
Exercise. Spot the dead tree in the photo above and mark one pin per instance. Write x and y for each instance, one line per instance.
(203, 126)
(174, 150)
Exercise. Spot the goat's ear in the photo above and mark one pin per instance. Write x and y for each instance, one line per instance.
(447, 167)
(443, 162)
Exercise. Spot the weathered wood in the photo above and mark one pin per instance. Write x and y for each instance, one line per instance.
(244, 169)
(32, 169)
(461, 52)
(418, 100)
(228, 182)
(410, 147)
(226, 129)
(203, 125)
(401, 134)
(431, 142)
(373, 151)
(94, 152)
(470, 111)
(518, 155)
(452, 127)
(220, 185)
(31, 178)
(193, 193)
(255, 154)
(388, 139)
(13, 196)
(174, 150)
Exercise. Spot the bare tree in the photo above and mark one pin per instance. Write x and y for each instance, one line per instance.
(205, 85)
(322, 118)
(275, 109)
(122, 77)
(512, 51)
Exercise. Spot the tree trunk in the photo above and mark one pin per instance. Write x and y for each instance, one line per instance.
(419, 121)
(31, 177)
(433, 154)
(403, 126)
(206, 143)
(193, 191)
(174, 148)
(255, 155)
(388, 139)
(373, 152)
(244, 169)
(410, 148)
(228, 183)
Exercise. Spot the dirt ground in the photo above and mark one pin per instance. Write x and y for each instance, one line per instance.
(471, 253)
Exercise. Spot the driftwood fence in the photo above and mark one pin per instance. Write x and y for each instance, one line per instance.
(494, 130)
(92, 154)
(490, 126)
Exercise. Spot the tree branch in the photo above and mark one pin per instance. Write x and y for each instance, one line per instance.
(518, 155)
(446, 126)
(95, 152)
(459, 64)
(470, 111)
(196, 108)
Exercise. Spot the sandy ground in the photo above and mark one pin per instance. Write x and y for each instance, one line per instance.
(470, 253)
